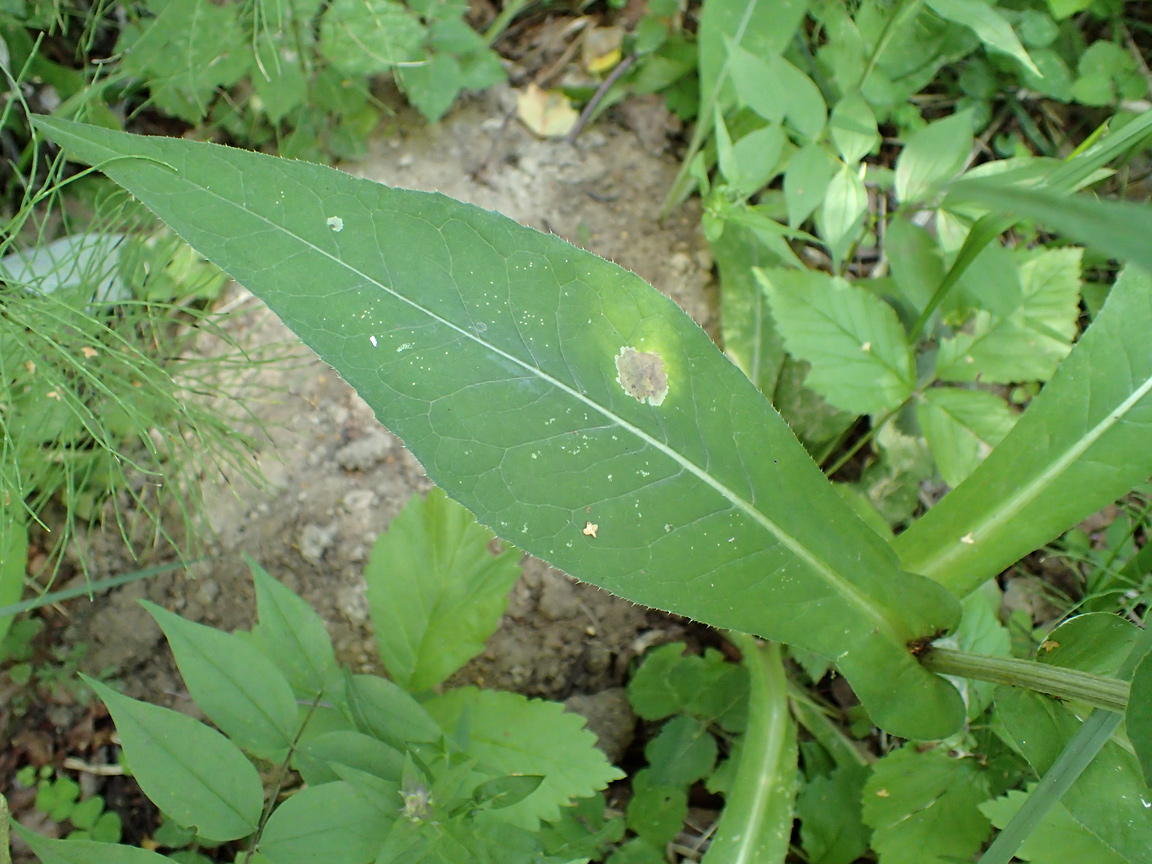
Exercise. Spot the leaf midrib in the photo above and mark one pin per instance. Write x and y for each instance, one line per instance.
(830, 576)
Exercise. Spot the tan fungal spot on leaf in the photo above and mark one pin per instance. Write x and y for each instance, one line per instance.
(641, 374)
(88, 353)
(1050, 645)
(590, 530)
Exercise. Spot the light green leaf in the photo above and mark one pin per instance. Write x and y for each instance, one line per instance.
(381, 708)
(775, 89)
(1082, 443)
(759, 27)
(278, 79)
(292, 636)
(987, 23)
(860, 358)
(845, 206)
(1098, 642)
(756, 823)
(431, 86)
(853, 127)
(1000, 352)
(656, 811)
(756, 83)
(1108, 797)
(706, 687)
(1139, 717)
(962, 427)
(563, 401)
(435, 591)
(189, 49)
(1050, 282)
(233, 683)
(315, 756)
(189, 770)
(1058, 839)
(756, 156)
(331, 822)
(73, 851)
(746, 326)
(682, 752)
(511, 734)
(832, 829)
(933, 156)
(806, 180)
(368, 37)
(763, 28)
(806, 109)
(923, 807)
(1119, 228)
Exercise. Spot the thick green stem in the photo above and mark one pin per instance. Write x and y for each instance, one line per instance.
(1110, 694)
(756, 823)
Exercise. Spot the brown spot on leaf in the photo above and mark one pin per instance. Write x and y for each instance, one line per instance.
(641, 374)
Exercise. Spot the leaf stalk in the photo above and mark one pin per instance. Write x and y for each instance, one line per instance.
(1110, 694)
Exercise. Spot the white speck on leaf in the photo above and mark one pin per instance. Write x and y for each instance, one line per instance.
(642, 375)
(968, 539)
(372, 339)
(403, 347)
(336, 224)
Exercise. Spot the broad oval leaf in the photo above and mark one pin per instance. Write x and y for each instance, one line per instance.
(237, 687)
(331, 822)
(1082, 443)
(932, 156)
(189, 770)
(435, 591)
(292, 636)
(571, 407)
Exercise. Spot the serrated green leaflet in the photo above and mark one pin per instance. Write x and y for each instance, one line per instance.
(434, 591)
(1083, 442)
(571, 407)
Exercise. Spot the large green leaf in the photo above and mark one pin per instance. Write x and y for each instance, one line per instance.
(435, 591)
(1083, 442)
(571, 407)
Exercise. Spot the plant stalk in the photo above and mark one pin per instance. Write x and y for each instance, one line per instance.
(1110, 694)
